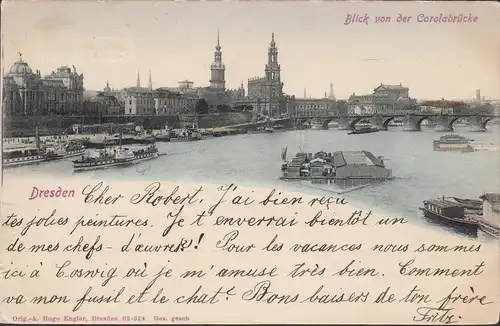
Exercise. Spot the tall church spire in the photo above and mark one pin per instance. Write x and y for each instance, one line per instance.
(218, 41)
(138, 84)
(274, 85)
(331, 96)
(218, 69)
(150, 82)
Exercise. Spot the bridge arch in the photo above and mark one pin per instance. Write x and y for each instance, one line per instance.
(451, 122)
(418, 124)
(352, 124)
(386, 122)
(326, 122)
(485, 122)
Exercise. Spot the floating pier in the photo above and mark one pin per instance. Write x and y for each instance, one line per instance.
(341, 167)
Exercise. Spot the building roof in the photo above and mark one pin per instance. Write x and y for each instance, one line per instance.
(344, 158)
(20, 67)
(491, 197)
(391, 87)
(143, 90)
(218, 65)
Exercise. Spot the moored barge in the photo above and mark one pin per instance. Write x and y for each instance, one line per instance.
(359, 131)
(452, 143)
(449, 213)
(342, 167)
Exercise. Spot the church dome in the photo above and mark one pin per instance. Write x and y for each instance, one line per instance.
(20, 67)
(218, 65)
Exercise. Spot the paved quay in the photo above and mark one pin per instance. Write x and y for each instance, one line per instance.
(26, 142)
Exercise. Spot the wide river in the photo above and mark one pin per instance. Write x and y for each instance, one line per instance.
(254, 160)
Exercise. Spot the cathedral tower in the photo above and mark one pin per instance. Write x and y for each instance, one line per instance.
(274, 89)
(331, 96)
(218, 69)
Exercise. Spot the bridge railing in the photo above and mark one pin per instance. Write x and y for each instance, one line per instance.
(399, 114)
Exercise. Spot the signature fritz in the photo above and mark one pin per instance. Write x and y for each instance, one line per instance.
(436, 315)
(445, 314)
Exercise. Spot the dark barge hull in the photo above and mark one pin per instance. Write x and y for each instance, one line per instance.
(469, 225)
(76, 152)
(97, 165)
(11, 163)
(145, 156)
(363, 131)
(55, 157)
(184, 139)
(145, 141)
(163, 139)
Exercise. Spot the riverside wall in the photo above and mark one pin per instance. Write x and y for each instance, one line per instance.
(25, 126)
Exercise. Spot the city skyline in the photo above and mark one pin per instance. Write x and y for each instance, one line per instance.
(176, 43)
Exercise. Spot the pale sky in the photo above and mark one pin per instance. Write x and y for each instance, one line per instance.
(176, 40)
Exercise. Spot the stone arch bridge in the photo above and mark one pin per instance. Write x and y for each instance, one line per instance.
(412, 121)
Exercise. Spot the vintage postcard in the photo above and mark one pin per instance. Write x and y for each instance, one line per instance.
(257, 162)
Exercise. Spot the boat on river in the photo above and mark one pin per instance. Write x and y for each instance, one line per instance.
(74, 149)
(114, 156)
(453, 142)
(186, 134)
(149, 152)
(22, 156)
(104, 158)
(54, 153)
(449, 213)
(144, 138)
(60, 149)
(163, 135)
(343, 168)
(363, 131)
(26, 154)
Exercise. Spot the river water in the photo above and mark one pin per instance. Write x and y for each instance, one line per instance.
(254, 160)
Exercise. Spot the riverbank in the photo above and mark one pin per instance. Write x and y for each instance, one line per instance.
(101, 139)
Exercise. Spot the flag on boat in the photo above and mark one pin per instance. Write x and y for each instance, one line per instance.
(283, 153)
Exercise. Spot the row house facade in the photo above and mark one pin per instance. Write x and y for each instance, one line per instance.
(27, 93)
(312, 107)
(103, 104)
(138, 101)
(384, 99)
(167, 102)
(161, 101)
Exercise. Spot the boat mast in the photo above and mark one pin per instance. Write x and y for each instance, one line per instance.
(37, 138)
(121, 133)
